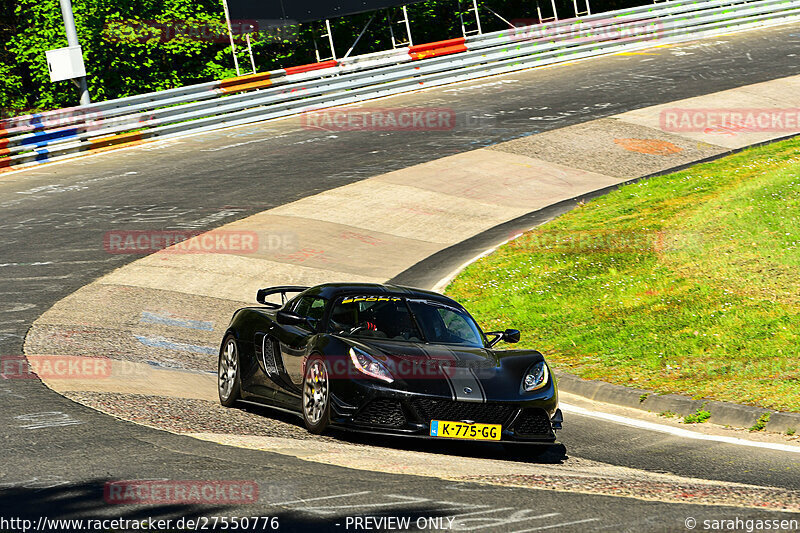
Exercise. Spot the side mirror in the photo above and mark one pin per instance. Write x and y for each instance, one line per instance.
(511, 336)
(289, 318)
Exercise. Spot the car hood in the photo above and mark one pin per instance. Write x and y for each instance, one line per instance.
(445, 354)
(464, 373)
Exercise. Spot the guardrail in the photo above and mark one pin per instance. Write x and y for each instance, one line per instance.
(52, 135)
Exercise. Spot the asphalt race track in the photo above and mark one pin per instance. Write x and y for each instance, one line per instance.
(58, 454)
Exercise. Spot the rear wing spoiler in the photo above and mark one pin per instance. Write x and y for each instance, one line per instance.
(261, 296)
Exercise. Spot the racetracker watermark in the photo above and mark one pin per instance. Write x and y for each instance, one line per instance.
(409, 367)
(54, 367)
(210, 31)
(198, 523)
(147, 492)
(182, 242)
(607, 241)
(730, 121)
(380, 119)
(16, 121)
(587, 30)
(400, 523)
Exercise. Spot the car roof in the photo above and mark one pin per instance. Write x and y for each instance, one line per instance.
(335, 290)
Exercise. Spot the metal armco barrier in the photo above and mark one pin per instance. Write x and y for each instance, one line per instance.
(33, 139)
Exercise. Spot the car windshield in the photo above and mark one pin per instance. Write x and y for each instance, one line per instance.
(403, 319)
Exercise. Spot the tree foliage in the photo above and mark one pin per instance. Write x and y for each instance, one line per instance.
(137, 46)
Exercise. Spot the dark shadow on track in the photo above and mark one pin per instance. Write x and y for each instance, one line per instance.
(523, 453)
(85, 501)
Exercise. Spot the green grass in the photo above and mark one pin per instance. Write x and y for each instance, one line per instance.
(697, 418)
(761, 423)
(686, 283)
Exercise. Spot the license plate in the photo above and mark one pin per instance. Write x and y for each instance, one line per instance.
(461, 430)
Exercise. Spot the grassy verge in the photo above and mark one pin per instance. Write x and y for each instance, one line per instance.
(687, 283)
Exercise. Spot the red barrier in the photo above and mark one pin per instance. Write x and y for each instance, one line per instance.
(439, 48)
(312, 66)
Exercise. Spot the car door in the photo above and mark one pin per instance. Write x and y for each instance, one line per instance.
(295, 340)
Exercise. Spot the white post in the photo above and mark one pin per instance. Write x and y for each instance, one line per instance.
(250, 49)
(408, 27)
(230, 34)
(581, 13)
(330, 38)
(72, 40)
(360, 35)
(477, 16)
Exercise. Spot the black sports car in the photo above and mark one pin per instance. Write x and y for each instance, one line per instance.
(386, 359)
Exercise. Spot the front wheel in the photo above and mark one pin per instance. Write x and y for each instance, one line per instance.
(228, 377)
(316, 395)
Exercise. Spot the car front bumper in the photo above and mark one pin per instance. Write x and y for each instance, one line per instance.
(367, 407)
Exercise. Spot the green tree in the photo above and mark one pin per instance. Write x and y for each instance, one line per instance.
(12, 95)
(136, 46)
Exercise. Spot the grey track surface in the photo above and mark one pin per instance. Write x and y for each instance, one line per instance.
(52, 221)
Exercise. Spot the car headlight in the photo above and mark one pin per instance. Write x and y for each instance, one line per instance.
(536, 377)
(366, 364)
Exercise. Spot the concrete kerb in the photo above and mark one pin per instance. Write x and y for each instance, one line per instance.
(722, 413)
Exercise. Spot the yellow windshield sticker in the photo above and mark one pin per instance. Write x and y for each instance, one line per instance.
(353, 299)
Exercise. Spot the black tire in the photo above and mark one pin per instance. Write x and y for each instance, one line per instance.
(229, 384)
(316, 395)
